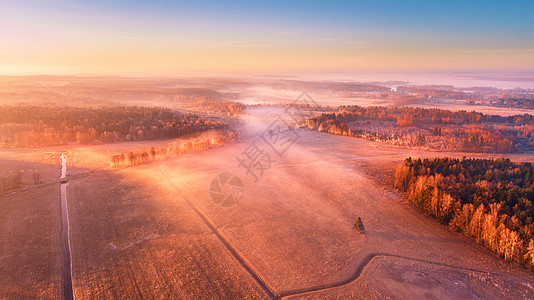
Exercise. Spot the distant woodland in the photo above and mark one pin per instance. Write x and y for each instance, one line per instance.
(488, 200)
(30, 126)
(227, 108)
(432, 128)
(522, 103)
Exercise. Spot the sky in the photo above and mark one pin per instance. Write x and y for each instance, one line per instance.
(149, 37)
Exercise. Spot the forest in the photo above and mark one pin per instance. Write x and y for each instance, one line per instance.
(433, 128)
(487, 200)
(527, 102)
(524, 102)
(31, 126)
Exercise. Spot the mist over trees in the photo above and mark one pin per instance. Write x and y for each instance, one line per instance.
(487, 200)
(228, 108)
(29, 126)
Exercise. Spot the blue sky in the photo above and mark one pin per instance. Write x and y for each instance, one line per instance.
(139, 36)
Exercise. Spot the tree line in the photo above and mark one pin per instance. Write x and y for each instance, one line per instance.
(435, 128)
(152, 154)
(28, 126)
(10, 181)
(487, 200)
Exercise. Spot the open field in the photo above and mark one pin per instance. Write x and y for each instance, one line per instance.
(152, 230)
(130, 240)
(29, 244)
(302, 211)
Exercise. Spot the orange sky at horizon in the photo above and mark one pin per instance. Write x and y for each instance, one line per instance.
(62, 37)
(124, 59)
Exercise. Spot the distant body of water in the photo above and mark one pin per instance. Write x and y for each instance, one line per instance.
(503, 80)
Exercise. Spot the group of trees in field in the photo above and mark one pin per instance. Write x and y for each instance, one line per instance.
(434, 128)
(15, 180)
(488, 200)
(28, 126)
(152, 154)
(10, 181)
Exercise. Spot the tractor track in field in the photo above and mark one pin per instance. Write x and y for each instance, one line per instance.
(243, 261)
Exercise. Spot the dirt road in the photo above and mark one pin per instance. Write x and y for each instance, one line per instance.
(66, 274)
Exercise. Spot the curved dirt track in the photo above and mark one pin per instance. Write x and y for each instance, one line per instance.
(355, 275)
(365, 262)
